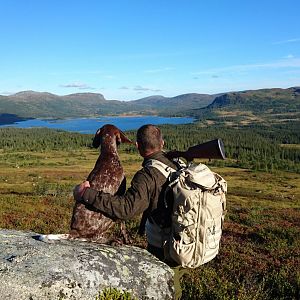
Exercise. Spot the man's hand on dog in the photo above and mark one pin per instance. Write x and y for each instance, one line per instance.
(79, 190)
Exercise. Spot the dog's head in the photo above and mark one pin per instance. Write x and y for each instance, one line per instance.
(111, 131)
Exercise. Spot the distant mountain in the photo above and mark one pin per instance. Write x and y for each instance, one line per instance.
(253, 106)
(46, 105)
(174, 105)
(258, 106)
(30, 104)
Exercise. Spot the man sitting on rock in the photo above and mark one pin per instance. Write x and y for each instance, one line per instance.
(145, 195)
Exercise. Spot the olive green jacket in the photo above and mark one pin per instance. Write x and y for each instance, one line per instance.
(145, 195)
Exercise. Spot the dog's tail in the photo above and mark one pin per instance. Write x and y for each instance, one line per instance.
(48, 238)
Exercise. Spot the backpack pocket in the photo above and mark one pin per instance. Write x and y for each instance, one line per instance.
(213, 233)
(184, 219)
(183, 253)
(212, 237)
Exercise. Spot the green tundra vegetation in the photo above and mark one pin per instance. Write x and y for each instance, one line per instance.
(260, 249)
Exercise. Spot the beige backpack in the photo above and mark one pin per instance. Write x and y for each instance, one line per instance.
(198, 213)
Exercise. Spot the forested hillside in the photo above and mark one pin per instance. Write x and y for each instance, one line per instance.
(258, 148)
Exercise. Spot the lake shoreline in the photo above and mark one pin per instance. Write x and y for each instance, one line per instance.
(90, 125)
(6, 119)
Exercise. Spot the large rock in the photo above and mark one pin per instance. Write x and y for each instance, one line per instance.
(34, 270)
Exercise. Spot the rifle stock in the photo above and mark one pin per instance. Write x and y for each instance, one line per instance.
(210, 149)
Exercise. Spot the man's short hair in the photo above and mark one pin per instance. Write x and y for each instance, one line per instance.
(149, 137)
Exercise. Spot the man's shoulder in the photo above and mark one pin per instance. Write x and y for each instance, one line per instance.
(162, 157)
(142, 175)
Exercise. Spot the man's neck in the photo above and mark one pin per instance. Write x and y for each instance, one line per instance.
(151, 153)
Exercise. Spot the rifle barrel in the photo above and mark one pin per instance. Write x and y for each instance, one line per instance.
(210, 149)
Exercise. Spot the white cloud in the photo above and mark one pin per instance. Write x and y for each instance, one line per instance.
(79, 85)
(6, 93)
(287, 41)
(145, 89)
(159, 70)
(109, 77)
(86, 88)
(290, 62)
(140, 88)
(289, 56)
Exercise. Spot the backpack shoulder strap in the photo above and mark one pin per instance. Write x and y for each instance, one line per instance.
(160, 166)
(166, 171)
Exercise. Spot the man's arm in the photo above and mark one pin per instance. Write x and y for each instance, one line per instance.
(132, 203)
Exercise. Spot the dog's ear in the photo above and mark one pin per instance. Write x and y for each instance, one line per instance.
(122, 138)
(97, 138)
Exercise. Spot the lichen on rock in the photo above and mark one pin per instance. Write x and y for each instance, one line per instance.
(70, 269)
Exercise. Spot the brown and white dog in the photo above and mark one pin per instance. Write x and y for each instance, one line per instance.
(107, 176)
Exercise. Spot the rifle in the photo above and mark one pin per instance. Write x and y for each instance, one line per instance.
(210, 149)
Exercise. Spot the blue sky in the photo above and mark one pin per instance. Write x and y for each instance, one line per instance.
(130, 49)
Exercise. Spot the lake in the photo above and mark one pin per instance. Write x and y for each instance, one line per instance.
(90, 125)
